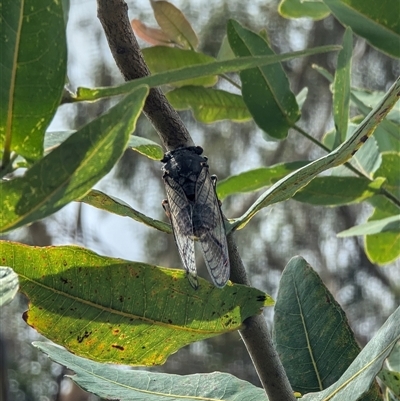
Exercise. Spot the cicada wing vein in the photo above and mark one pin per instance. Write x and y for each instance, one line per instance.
(179, 212)
(208, 226)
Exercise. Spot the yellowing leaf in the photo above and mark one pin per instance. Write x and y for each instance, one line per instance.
(113, 310)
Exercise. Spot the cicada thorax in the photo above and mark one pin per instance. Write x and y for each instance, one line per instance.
(184, 166)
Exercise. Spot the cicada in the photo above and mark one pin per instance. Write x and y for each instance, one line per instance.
(195, 214)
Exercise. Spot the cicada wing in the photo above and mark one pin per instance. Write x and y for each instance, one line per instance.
(208, 226)
(179, 212)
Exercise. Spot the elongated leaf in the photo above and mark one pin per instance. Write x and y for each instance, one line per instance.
(146, 147)
(313, 338)
(358, 378)
(196, 71)
(341, 88)
(73, 168)
(369, 99)
(380, 26)
(113, 310)
(111, 383)
(367, 160)
(110, 204)
(153, 36)
(337, 191)
(301, 9)
(374, 227)
(160, 59)
(174, 24)
(8, 285)
(141, 145)
(256, 179)
(265, 90)
(289, 185)
(32, 71)
(209, 105)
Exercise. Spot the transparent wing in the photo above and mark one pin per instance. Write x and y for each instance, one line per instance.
(208, 226)
(179, 212)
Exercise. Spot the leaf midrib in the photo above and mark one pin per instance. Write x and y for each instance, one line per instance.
(117, 312)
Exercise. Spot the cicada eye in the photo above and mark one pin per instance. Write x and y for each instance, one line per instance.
(198, 150)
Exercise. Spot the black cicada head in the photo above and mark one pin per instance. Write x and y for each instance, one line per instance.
(183, 166)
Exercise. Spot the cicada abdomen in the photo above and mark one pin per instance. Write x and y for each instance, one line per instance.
(195, 214)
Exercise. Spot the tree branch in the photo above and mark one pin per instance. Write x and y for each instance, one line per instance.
(113, 15)
(127, 55)
(258, 341)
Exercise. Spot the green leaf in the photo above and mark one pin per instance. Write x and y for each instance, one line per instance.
(301, 9)
(358, 378)
(313, 338)
(338, 191)
(8, 285)
(384, 247)
(374, 227)
(172, 21)
(117, 206)
(341, 88)
(379, 25)
(289, 185)
(369, 99)
(225, 52)
(388, 132)
(256, 179)
(301, 97)
(195, 71)
(162, 59)
(209, 105)
(146, 147)
(390, 169)
(70, 170)
(128, 385)
(32, 71)
(113, 310)
(265, 90)
(367, 159)
(391, 380)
